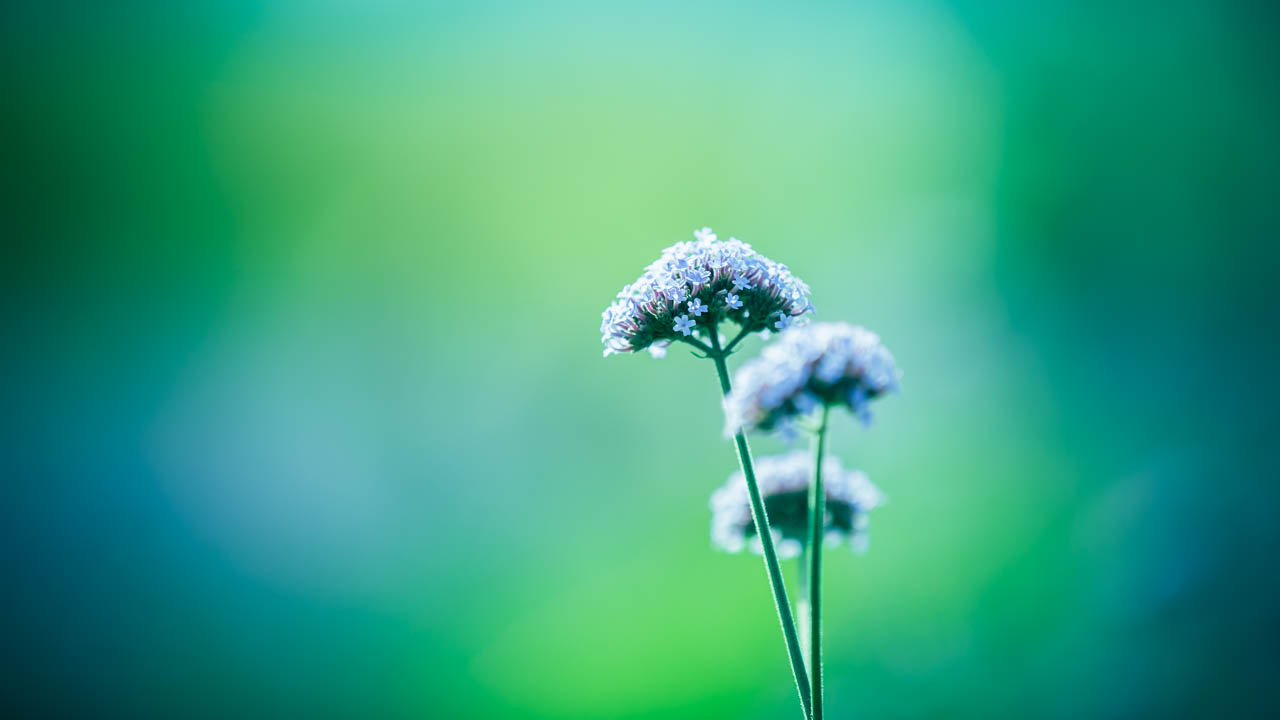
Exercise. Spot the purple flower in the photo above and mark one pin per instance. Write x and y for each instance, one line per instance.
(684, 325)
(832, 364)
(681, 281)
(850, 496)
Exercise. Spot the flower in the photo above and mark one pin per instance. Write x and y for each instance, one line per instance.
(683, 324)
(732, 301)
(822, 363)
(784, 485)
(783, 322)
(687, 278)
(697, 276)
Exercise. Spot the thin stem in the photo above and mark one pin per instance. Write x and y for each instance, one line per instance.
(817, 533)
(746, 329)
(802, 604)
(697, 343)
(761, 519)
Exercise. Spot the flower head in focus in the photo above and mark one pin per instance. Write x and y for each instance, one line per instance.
(784, 484)
(695, 286)
(807, 367)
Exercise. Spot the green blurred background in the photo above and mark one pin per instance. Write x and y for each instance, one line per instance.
(306, 414)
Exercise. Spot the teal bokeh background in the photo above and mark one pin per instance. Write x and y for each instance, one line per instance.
(307, 415)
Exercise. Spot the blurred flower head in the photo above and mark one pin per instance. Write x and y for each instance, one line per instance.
(805, 368)
(784, 484)
(695, 286)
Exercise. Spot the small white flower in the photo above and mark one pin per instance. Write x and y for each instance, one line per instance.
(684, 325)
(741, 283)
(783, 322)
(824, 363)
(784, 485)
(704, 235)
(696, 307)
(732, 301)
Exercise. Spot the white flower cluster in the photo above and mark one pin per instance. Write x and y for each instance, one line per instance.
(695, 286)
(805, 368)
(784, 485)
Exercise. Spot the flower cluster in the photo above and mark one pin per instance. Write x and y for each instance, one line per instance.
(784, 485)
(695, 286)
(806, 368)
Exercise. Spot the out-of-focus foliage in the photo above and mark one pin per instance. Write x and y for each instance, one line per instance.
(305, 408)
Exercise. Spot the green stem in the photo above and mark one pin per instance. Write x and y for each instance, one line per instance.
(746, 329)
(817, 534)
(802, 605)
(761, 519)
(706, 350)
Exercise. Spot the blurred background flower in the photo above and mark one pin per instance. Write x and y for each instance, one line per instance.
(784, 484)
(806, 369)
(305, 409)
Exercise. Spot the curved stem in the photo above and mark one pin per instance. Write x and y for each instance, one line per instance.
(746, 330)
(817, 534)
(761, 519)
(697, 343)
